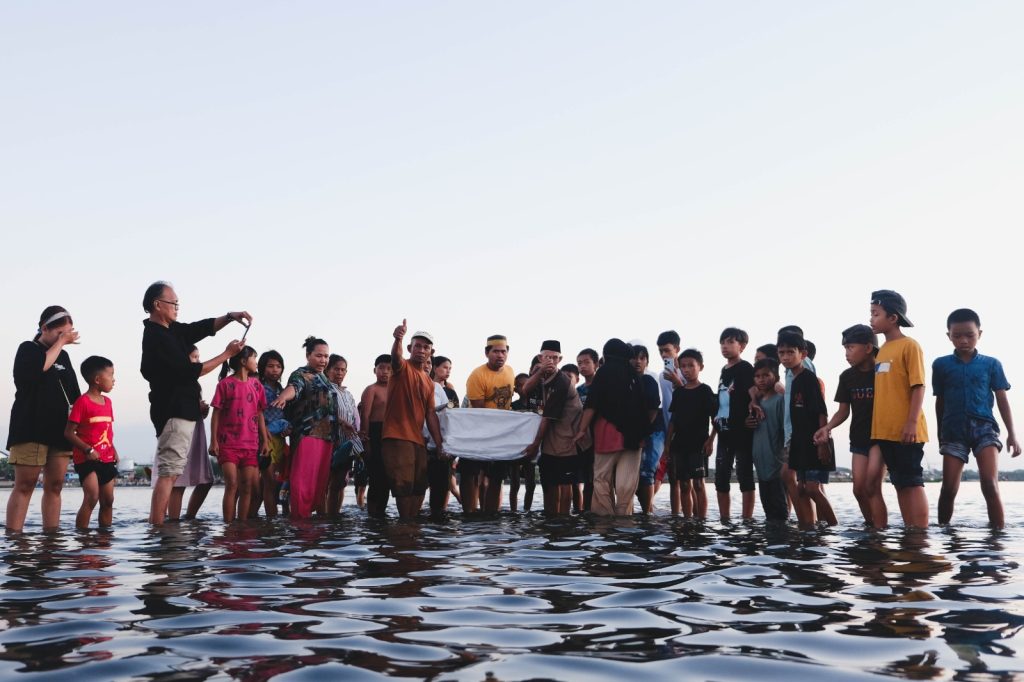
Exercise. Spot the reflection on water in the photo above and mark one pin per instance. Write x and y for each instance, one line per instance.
(516, 597)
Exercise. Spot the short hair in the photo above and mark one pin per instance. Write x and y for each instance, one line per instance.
(382, 359)
(570, 368)
(734, 333)
(792, 328)
(769, 364)
(812, 350)
(534, 362)
(311, 343)
(261, 364)
(522, 375)
(770, 350)
(669, 338)
(153, 292)
(791, 340)
(640, 351)
(693, 353)
(590, 353)
(93, 365)
(334, 359)
(962, 315)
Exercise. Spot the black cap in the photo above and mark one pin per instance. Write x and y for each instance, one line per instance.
(860, 333)
(551, 345)
(893, 304)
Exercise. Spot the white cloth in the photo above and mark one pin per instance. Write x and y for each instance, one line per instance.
(488, 434)
(440, 403)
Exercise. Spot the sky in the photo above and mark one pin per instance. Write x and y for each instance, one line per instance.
(566, 170)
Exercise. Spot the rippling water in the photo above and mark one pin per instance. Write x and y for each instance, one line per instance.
(516, 597)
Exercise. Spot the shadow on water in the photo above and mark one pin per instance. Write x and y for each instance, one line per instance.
(511, 597)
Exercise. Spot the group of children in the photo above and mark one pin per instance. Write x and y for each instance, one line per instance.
(882, 393)
(770, 424)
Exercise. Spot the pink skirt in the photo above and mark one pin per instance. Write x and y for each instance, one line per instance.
(310, 473)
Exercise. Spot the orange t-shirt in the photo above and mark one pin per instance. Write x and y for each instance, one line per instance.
(410, 397)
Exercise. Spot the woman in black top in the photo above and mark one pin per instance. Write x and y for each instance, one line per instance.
(45, 388)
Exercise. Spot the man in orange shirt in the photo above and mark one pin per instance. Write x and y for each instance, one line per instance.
(410, 402)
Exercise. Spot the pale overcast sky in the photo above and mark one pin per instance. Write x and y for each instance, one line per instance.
(569, 170)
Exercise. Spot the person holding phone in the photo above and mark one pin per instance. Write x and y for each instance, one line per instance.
(45, 388)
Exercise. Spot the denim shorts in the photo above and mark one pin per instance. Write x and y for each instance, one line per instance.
(980, 434)
(904, 463)
(653, 448)
(812, 476)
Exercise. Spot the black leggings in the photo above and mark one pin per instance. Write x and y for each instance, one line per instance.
(729, 452)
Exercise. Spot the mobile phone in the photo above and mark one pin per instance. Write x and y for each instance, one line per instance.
(669, 363)
(246, 331)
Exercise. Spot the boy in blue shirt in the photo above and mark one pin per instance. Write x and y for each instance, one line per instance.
(966, 384)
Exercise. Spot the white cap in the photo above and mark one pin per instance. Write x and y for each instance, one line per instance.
(424, 335)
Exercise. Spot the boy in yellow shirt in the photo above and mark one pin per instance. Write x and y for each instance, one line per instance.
(898, 426)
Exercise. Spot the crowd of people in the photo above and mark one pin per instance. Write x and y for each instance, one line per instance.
(610, 431)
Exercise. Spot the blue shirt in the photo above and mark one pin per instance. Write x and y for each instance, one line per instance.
(967, 390)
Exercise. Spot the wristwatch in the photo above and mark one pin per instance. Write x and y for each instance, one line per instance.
(90, 451)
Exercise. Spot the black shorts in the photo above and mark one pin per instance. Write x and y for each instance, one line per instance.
(687, 466)
(494, 471)
(555, 471)
(904, 463)
(105, 471)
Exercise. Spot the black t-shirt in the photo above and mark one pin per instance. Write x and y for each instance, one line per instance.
(806, 406)
(41, 399)
(174, 391)
(739, 378)
(692, 411)
(858, 389)
(453, 397)
(652, 396)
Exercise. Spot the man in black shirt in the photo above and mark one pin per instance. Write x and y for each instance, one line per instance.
(174, 392)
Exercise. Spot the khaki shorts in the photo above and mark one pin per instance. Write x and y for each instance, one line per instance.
(172, 447)
(405, 465)
(35, 454)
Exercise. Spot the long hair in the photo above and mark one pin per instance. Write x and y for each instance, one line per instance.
(234, 363)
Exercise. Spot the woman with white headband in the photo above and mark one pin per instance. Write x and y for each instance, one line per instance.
(45, 388)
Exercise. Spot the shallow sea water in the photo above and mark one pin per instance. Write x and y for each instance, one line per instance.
(513, 598)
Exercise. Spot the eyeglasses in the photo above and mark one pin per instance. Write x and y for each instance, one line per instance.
(174, 303)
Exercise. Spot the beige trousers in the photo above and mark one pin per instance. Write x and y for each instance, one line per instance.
(616, 475)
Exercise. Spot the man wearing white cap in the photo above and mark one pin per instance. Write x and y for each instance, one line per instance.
(410, 403)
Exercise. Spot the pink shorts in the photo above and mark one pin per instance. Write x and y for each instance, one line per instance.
(241, 458)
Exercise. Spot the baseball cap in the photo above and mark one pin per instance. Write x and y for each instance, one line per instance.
(424, 335)
(893, 303)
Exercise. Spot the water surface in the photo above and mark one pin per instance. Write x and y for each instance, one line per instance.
(514, 597)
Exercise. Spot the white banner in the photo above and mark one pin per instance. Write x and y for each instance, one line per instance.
(479, 433)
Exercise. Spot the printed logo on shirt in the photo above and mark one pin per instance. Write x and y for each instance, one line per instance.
(862, 393)
(502, 397)
(798, 399)
(882, 367)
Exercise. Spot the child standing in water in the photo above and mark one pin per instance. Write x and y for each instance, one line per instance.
(90, 430)
(270, 369)
(239, 431)
(966, 385)
(898, 425)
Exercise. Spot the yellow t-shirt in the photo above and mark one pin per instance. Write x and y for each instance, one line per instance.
(494, 388)
(898, 367)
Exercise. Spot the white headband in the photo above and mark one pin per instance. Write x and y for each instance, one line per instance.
(53, 318)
